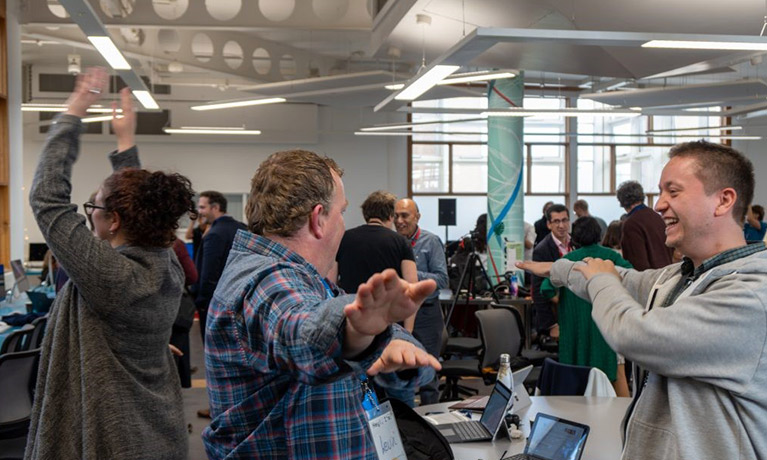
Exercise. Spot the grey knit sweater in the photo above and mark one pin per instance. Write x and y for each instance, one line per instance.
(106, 388)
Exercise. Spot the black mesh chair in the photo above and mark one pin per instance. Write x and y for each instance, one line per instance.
(36, 339)
(18, 372)
(18, 340)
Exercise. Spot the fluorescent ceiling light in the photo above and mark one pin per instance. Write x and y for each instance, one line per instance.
(245, 103)
(395, 86)
(706, 45)
(425, 82)
(234, 128)
(417, 123)
(99, 118)
(220, 131)
(561, 113)
(109, 51)
(701, 128)
(31, 107)
(146, 99)
(476, 76)
(411, 133)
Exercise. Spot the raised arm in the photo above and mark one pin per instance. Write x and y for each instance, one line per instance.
(124, 126)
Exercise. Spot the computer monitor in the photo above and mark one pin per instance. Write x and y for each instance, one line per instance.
(20, 276)
(37, 252)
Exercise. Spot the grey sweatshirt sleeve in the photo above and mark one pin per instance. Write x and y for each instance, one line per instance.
(124, 159)
(694, 336)
(93, 265)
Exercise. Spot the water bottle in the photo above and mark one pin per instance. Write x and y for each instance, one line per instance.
(505, 375)
(513, 286)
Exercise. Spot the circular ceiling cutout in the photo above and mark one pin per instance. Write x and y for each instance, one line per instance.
(170, 9)
(233, 54)
(202, 47)
(262, 61)
(277, 10)
(133, 35)
(168, 40)
(223, 10)
(330, 10)
(58, 10)
(121, 9)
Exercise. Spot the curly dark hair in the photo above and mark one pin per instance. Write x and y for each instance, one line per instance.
(149, 204)
(630, 193)
(586, 232)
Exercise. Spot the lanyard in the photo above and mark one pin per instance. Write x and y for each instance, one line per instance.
(329, 291)
(415, 237)
(369, 399)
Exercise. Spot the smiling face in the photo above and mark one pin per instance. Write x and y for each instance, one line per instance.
(559, 225)
(687, 211)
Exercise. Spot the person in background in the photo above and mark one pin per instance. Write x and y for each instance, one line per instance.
(107, 386)
(530, 238)
(287, 354)
(613, 236)
(541, 227)
(555, 245)
(681, 324)
(644, 232)
(581, 209)
(431, 264)
(196, 230)
(580, 341)
(179, 337)
(755, 229)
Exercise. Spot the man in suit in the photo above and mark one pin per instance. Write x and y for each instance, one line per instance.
(644, 233)
(551, 248)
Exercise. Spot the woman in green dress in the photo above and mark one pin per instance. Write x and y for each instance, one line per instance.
(580, 341)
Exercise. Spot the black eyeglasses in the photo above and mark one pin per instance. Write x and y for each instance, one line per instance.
(89, 207)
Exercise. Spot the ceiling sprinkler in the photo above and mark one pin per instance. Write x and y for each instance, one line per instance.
(73, 64)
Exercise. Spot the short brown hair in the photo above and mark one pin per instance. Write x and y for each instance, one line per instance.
(285, 189)
(149, 204)
(216, 198)
(581, 204)
(379, 205)
(725, 167)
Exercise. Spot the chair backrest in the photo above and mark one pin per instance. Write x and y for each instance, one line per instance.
(559, 379)
(517, 316)
(18, 372)
(37, 335)
(499, 333)
(17, 340)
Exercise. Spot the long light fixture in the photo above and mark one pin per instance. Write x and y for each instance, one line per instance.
(396, 126)
(109, 51)
(521, 112)
(220, 131)
(99, 118)
(476, 76)
(241, 103)
(33, 107)
(425, 82)
(705, 45)
(146, 99)
(701, 128)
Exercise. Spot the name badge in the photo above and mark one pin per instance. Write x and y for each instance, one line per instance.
(383, 428)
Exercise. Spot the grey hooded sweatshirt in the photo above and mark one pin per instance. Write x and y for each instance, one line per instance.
(706, 395)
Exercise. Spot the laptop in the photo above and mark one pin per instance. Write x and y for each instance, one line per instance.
(487, 427)
(554, 438)
(521, 398)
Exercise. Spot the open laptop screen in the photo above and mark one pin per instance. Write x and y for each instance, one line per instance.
(554, 438)
(20, 275)
(496, 408)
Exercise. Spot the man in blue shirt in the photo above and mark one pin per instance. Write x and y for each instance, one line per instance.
(431, 264)
(754, 229)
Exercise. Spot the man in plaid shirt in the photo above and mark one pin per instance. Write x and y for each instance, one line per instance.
(285, 350)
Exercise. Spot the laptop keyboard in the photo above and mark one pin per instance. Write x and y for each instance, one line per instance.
(520, 457)
(470, 430)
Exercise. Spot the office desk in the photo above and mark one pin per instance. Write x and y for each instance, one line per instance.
(602, 415)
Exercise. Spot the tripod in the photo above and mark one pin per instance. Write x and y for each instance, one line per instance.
(469, 269)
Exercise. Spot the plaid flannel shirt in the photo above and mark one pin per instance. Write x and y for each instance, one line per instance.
(277, 383)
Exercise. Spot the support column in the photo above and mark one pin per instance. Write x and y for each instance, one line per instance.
(505, 148)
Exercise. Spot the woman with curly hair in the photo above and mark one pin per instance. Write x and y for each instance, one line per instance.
(107, 386)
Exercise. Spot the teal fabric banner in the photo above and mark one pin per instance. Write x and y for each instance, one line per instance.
(505, 174)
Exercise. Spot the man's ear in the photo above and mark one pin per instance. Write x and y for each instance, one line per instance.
(727, 199)
(317, 222)
(114, 227)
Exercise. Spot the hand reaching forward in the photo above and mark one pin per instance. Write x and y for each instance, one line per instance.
(593, 267)
(383, 300)
(541, 269)
(89, 87)
(401, 354)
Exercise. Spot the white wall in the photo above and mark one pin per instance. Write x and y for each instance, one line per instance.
(756, 151)
(370, 162)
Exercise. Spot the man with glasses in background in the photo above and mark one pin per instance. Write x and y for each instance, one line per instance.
(551, 248)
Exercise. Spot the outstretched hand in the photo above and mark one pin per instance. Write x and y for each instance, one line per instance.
(381, 301)
(401, 354)
(89, 87)
(541, 269)
(124, 124)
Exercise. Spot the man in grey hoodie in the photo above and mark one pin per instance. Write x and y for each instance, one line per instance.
(697, 329)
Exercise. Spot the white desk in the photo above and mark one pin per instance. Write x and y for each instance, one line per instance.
(602, 415)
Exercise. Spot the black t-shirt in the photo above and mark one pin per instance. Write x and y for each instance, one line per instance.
(367, 250)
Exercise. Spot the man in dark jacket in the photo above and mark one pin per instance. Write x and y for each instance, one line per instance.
(644, 233)
(541, 229)
(551, 248)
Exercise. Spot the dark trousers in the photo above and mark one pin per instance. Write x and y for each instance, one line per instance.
(179, 338)
(428, 330)
(203, 314)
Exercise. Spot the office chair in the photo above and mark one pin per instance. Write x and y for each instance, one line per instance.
(18, 372)
(17, 340)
